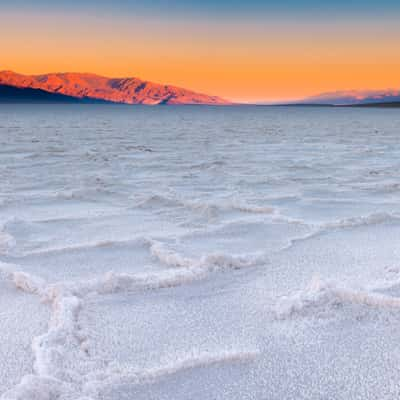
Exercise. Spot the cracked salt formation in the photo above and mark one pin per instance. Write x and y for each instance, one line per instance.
(184, 271)
(22, 317)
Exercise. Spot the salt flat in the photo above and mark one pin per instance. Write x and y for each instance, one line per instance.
(199, 252)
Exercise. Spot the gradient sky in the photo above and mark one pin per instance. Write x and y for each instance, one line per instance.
(242, 50)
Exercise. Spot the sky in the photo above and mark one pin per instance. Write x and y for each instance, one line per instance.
(250, 51)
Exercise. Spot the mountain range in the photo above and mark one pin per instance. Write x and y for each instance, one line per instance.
(91, 87)
(355, 97)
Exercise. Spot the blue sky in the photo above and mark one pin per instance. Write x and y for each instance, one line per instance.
(220, 7)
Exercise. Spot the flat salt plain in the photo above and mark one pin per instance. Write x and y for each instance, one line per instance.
(199, 253)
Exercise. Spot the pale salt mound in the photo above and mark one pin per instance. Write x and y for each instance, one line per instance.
(23, 317)
(243, 238)
(55, 208)
(166, 333)
(68, 234)
(358, 255)
(150, 331)
(334, 342)
(89, 261)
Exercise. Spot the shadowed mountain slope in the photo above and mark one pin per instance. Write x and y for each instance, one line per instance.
(12, 94)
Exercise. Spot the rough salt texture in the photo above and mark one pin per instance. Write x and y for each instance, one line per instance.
(22, 318)
(187, 253)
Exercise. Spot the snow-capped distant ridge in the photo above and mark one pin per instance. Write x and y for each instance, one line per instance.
(350, 97)
(118, 90)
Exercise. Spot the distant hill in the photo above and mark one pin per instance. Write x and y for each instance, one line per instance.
(394, 104)
(117, 90)
(355, 97)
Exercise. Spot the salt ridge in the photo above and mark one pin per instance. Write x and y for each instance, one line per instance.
(127, 374)
(52, 378)
(320, 293)
(156, 200)
(347, 223)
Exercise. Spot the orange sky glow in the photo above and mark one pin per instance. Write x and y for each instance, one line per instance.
(238, 60)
